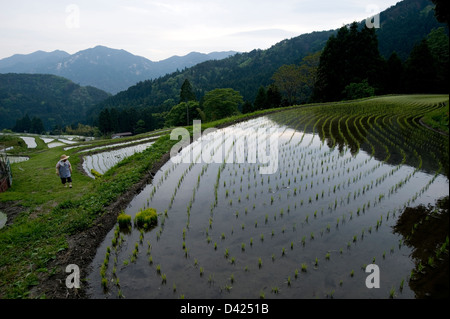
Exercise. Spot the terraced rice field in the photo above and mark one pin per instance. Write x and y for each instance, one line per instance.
(30, 141)
(103, 161)
(344, 174)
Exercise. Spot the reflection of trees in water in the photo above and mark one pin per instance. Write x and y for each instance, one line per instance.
(426, 230)
(393, 138)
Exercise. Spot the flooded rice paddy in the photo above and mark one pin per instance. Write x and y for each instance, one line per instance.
(308, 230)
(103, 161)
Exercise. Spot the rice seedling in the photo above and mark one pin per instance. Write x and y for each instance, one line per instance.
(146, 218)
(304, 267)
(392, 293)
(124, 221)
(104, 282)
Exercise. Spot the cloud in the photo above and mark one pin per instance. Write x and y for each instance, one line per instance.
(158, 29)
(265, 33)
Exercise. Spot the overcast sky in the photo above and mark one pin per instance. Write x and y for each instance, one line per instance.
(158, 29)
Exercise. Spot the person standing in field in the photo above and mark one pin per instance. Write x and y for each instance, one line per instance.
(64, 170)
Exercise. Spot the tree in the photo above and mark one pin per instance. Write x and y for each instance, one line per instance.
(394, 74)
(438, 43)
(114, 120)
(358, 90)
(23, 124)
(261, 101)
(308, 69)
(309, 66)
(104, 121)
(420, 70)
(289, 79)
(220, 103)
(274, 97)
(187, 93)
(351, 56)
(442, 11)
(140, 127)
(247, 107)
(178, 114)
(37, 126)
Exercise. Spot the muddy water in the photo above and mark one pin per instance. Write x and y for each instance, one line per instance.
(321, 203)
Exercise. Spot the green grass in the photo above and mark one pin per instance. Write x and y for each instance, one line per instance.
(53, 213)
(438, 119)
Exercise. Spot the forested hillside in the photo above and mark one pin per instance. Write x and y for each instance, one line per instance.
(55, 100)
(402, 27)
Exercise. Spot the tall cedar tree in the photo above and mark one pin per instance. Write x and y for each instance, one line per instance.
(247, 107)
(261, 101)
(187, 93)
(351, 56)
(442, 11)
(420, 73)
(274, 97)
(394, 76)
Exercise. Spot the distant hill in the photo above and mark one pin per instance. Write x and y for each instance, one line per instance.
(53, 99)
(402, 26)
(108, 69)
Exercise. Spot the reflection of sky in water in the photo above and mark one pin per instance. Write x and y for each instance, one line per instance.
(317, 194)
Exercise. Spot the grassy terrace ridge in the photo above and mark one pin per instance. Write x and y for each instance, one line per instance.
(46, 216)
(438, 119)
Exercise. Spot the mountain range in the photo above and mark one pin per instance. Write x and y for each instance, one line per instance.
(402, 26)
(110, 70)
(140, 86)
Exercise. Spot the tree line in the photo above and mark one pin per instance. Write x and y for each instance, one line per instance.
(27, 125)
(351, 66)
